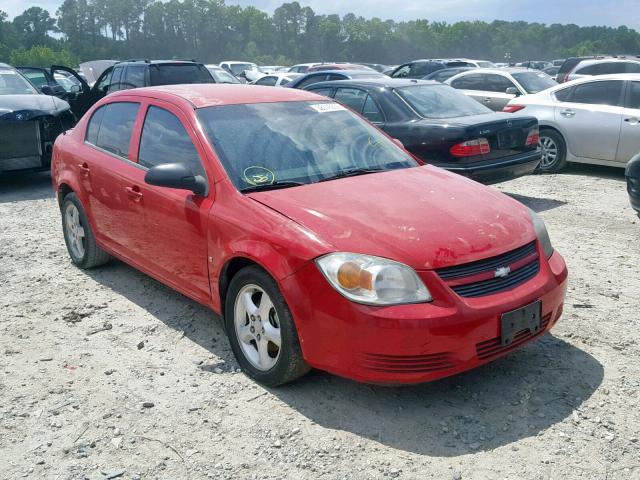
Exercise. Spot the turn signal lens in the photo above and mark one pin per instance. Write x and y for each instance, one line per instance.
(471, 148)
(513, 108)
(352, 276)
(534, 137)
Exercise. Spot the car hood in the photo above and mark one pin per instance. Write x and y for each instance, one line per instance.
(27, 107)
(424, 217)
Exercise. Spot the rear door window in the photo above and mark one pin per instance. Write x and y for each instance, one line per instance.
(165, 140)
(353, 98)
(598, 93)
(371, 111)
(325, 92)
(564, 94)
(116, 125)
(268, 81)
(114, 85)
(313, 79)
(474, 81)
(634, 95)
(632, 67)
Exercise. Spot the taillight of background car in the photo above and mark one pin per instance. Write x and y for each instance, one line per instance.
(470, 148)
(512, 108)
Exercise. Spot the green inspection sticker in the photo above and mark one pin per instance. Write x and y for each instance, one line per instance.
(256, 175)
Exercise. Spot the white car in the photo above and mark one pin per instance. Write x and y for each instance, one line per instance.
(246, 70)
(269, 69)
(276, 79)
(220, 75)
(302, 67)
(590, 120)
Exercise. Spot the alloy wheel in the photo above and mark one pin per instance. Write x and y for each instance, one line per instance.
(257, 327)
(75, 230)
(549, 150)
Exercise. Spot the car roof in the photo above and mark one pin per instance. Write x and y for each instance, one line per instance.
(379, 82)
(591, 61)
(156, 62)
(208, 94)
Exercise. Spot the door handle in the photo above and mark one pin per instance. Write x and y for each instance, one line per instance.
(134, 193)
(632, 120)
(567, 113)
(84, 168)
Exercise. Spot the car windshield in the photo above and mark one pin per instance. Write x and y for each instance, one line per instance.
(440, 101)
(534, 82)
(12, 83)
(174, 74)
(486, 64)
(222, 76)
(239, 68)
(267, 145)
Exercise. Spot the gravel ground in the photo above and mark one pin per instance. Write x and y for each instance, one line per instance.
(109, 374)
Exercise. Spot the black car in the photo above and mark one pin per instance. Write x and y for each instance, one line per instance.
(421, 68)
(632, 173)
(29, 123)
(444, 127)
(446, 73)
(133, 74)
(45, 82)
(322, 76)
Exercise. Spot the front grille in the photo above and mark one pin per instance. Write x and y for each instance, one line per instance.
(523, 263)
(408, 363)
(20, 139)
(494, 347)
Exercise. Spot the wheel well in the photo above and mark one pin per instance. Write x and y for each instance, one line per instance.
(63, 191)
(231, 268)
(547, 127)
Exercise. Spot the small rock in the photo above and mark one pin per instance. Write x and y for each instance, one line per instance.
(114, 474)
(218, 370)
(140, 345)
(456, 476)
(148, 404)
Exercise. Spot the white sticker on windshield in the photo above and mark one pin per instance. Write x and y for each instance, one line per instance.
(327, 107)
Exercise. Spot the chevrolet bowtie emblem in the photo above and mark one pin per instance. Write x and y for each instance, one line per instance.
(502, 272)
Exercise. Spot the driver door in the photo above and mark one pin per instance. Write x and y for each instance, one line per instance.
(84, 99)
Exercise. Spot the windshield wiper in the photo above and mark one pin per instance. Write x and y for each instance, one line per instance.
(352, 173)
(271, 186)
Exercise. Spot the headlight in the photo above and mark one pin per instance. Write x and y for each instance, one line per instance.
(541, 233)
(373, 280)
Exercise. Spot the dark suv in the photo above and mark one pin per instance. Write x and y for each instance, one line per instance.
(134, 74)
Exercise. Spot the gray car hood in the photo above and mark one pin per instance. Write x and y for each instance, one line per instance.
(26, 107)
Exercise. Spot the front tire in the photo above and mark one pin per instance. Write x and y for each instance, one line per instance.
(554, 151)
(261, 330)
(78, 236)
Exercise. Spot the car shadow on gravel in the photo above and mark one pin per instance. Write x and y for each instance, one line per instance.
(24, 187)
(600, 171)
(537, 204)
(492, 406)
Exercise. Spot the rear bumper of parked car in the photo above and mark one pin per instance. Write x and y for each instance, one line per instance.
(414, 343)
(498, 170)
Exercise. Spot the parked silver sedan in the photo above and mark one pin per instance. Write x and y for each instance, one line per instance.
(591, 120)
(494, 88)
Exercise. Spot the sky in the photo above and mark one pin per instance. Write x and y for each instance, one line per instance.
(581, 12)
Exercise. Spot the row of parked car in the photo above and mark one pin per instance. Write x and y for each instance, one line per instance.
(491, 124)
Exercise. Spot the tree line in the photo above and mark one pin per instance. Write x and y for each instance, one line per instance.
(211, 31)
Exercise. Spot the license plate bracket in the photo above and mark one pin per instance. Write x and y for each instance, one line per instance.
(525, 318)
(508, 139)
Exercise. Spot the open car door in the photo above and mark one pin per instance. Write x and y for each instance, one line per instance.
(84, 99)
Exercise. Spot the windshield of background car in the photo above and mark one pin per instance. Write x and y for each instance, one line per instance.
(486, 65)
(440, 101)
(239, 68)
(222, 76)
(267, 143)
(534, 82)
(174, 74)
(12, 83)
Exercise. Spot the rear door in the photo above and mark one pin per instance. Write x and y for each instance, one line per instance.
(629, 144)
(473, 85)
(590, 119)
(496, 91)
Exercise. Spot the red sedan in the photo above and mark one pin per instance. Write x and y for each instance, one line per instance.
(320, 241)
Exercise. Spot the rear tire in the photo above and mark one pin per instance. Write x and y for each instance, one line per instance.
(554, 151)
(256, 318)
(78, 236)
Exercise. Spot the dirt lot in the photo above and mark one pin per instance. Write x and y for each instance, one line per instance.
(158, 394)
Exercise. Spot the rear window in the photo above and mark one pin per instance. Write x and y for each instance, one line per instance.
(534, 82)
(174, 74)
(440, 101)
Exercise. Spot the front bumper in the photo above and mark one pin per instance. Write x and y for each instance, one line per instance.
(498, 170)
(414, 343)
(633, 187)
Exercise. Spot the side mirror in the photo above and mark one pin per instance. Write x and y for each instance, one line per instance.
(176, 175)
(512, 91)
(46, 89)
(75, 88)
